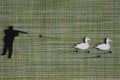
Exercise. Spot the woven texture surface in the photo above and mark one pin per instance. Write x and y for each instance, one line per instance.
(62, 24)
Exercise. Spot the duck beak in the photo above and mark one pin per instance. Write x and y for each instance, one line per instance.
(110, 40)
(88, 39)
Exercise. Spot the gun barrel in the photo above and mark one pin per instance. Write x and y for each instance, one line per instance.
(21, 32)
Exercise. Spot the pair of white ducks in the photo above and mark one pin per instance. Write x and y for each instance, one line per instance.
(85, 45)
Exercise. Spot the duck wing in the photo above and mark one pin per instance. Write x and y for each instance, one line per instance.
(103, 46)
(82, 46)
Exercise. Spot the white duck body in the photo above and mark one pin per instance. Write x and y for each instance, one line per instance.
(83, 46)
(105, 46)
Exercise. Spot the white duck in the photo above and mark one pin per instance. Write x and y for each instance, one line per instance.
(104, 46)
(84, 45)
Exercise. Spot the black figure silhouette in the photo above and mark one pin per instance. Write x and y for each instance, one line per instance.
(10, 34)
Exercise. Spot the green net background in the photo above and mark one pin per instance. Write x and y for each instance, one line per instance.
(46, 58)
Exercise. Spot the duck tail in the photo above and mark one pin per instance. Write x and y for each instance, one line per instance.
(74, 46)
(96, 46)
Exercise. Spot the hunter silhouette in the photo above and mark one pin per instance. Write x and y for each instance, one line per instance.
(10, 34)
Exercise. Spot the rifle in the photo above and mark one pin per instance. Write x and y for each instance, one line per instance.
(21, 32)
